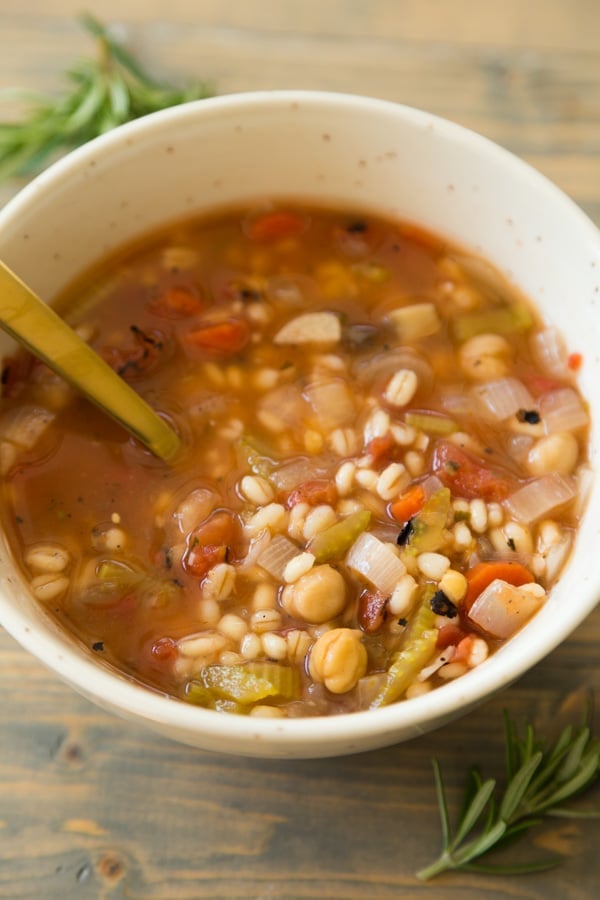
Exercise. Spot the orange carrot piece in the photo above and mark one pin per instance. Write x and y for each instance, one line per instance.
(219, 338)
(408, 505)
(575, 361)
(274, 226)
(177, 301)
(482, 574)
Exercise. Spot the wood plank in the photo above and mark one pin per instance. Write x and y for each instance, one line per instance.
(94, 807)
(549, 24)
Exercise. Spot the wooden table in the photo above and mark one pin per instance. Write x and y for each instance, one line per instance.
(94, 807)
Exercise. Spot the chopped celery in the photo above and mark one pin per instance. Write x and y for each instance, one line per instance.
(117, 571)
(255, 457)
(428, 526)
(431, 423)
(247, 683)
(199, 695)
(505, 320)
(336, 540)
(415, 652)
(372, 271)
(115, 576)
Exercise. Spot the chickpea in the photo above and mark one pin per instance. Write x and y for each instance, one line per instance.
(485, 356)
(556, 452)
(338, 660)
(317, 596)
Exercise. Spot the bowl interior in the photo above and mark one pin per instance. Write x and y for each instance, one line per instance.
(334, 151)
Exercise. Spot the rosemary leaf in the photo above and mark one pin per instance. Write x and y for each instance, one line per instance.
(101, 94)
(540, 777)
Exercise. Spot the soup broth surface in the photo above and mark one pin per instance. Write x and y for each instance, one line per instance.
(383, 449)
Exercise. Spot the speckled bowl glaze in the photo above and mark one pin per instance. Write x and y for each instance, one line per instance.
(330, 149)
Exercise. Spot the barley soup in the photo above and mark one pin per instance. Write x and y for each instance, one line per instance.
(384, 453)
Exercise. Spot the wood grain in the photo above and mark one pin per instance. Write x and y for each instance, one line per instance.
(94, 807)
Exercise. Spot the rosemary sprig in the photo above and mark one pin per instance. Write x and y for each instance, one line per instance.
(104, 92)
(540, 777)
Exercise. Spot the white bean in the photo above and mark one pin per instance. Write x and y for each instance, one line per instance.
(557, 452)
(485, 356)
(433, 565)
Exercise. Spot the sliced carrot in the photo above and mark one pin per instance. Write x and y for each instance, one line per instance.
(408, 505)
(177, 302)
(219, 338)
(482, 574)
(273, 226)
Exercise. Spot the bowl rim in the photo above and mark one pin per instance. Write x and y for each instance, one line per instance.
(125, 695)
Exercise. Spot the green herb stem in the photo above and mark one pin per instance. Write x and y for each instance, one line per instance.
(540, 777)
(103, 93)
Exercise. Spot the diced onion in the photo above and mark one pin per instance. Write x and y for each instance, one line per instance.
(585, 481)
(381, 367)
(415, 321)
(289, 475)
(504, 397)
(377, 562)
(563, 410)
(550, 352)
(332, 403)
(557, 556)
(540, 497)
(311, 328)
(284, 407)
(277, 554)
(444, 657)
(501, 609)
(256, 547)
(26, 426)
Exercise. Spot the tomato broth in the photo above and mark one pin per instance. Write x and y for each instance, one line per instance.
(381, 475)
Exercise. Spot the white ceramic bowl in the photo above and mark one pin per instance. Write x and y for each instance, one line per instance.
(333, 149)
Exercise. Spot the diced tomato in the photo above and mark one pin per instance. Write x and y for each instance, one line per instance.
(468, 476)
(177, 302)
(219, 338)
(313, 493)
(371, 611)
(146, 350)
(449, 636)
(276, 225)
(164, 650)
(379, 448)
(211, 543)
(540, 384)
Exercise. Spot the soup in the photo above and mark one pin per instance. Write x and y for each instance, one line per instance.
(381, 474)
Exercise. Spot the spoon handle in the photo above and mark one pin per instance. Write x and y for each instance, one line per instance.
(35, 325)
